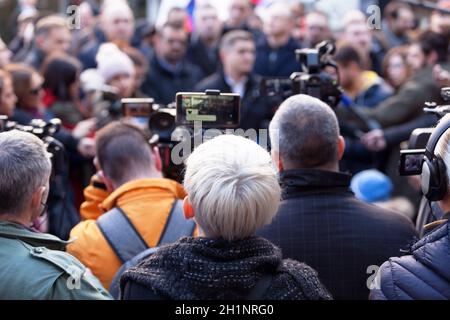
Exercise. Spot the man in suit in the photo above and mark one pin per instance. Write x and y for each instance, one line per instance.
(320, 221)
(237, 54)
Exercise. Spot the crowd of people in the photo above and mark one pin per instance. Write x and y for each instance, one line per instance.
(322, 214)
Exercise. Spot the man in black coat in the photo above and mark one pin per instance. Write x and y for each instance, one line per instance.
(203, 48)
(276, 50)
(169, 71)
(237, 53)
(320, 221)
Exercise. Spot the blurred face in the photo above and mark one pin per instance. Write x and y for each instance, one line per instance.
(397, 71)
(348, 73)
(207, 23)
(57, 40)
(404, 22)
(178, 17)
(241, 57)
(33, 99)
(118, 26)
(240, 10)
(316, 28)
(415, 58)
(139, 76)
(278, 24)
(8, 98)
(5, 54)
(171, 44)
(124, 83)
(359, 35)
(440, 23)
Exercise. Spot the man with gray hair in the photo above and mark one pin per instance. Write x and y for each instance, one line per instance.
(320, 221)
(33, 265)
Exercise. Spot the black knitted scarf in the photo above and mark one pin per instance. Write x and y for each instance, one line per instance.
(202, 268)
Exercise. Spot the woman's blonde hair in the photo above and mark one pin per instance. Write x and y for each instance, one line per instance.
(232, 186)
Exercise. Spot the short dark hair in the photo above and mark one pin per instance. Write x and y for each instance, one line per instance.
(60, 71)
(122, 151)
(230, 38)
(346, 54)
(431, 41)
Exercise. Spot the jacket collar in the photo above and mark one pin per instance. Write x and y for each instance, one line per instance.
(130, 189)
(16, 231)
(298, 181)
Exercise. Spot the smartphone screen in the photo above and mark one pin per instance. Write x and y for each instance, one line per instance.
(214, 111)
(137, 110)
(411, 162)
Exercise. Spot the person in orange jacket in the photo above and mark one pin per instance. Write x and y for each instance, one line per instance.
(130, 178)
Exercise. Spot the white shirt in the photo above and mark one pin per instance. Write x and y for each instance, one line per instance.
(237, 87)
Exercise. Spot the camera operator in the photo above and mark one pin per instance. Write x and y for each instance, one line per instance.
(130, 180)
(320, 221)
(424, 274)
(32, 264)
(237, 53)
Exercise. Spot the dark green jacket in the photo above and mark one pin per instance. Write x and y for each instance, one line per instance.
(34, 266)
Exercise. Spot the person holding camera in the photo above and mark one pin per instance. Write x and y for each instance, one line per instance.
(33, 265)
(320, 221)
(425, 273)
(232, 191)
(128, 205)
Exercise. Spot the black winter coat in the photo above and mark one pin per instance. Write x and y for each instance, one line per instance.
(202, 268)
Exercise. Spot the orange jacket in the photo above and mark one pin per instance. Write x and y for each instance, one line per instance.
(146, 202)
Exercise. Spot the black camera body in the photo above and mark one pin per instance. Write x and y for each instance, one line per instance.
(312, 80)
(44, 131)
(411, 159)
(210, 109)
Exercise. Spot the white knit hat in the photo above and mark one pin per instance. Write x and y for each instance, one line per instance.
(111, 62)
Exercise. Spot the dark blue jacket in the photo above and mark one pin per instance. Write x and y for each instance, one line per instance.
(321, 223)
(276, 63)
(162, 84)
(423, 275)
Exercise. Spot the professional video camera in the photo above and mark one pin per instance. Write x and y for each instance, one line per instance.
(313, 80)
(411, 158)
(44, 131)
(167, 124)
(416, 158)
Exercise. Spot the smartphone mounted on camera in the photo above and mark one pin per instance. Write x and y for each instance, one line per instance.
(212, 108)
(137, 110)
(411, 162)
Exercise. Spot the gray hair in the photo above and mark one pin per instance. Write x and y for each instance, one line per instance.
(232, 186)
(305, 132)
(24, 166)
